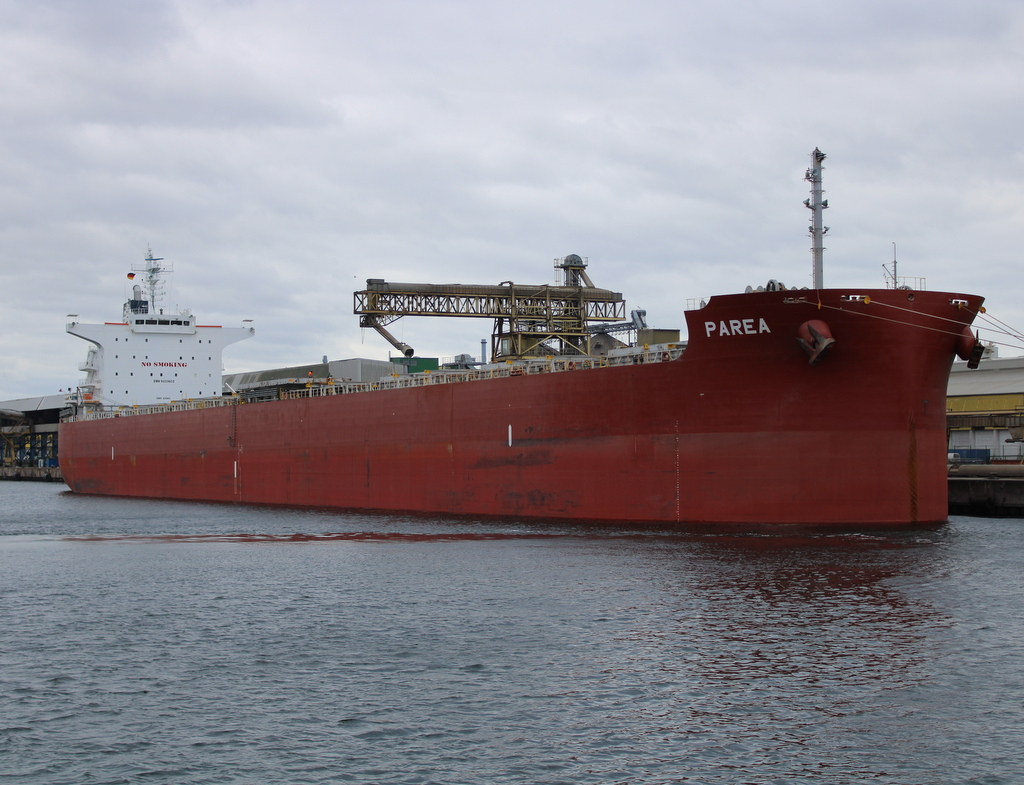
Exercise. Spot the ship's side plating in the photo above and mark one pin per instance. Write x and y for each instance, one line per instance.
(742, 427)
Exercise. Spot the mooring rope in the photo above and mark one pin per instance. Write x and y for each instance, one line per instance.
(887, 319)
(982, 315)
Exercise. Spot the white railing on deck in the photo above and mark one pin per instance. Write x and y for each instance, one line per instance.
(318, 387)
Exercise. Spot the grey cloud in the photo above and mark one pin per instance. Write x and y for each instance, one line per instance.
(280, 154)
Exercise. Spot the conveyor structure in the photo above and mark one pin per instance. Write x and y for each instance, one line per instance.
(529, 320)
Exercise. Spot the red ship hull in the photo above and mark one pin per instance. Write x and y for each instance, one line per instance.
(740, 429)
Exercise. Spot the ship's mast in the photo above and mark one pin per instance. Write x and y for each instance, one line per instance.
(892, 275)
(816, 205)
(154, 272)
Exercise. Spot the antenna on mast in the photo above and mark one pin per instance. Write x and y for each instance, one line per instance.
(154, 276)
(892, 275)
(901, 283)
(816, 205)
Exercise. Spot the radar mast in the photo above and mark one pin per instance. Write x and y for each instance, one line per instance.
(153, 280)
(816, 205)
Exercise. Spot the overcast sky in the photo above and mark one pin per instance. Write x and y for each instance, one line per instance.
(279, 153)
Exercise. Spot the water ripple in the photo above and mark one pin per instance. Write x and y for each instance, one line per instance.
(161, 643)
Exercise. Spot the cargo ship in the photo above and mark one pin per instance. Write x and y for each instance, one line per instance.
(783, 406)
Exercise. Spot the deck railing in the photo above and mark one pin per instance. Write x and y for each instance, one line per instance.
(316, 388)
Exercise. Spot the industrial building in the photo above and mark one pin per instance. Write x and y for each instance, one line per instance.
(28, 430)
(985, 411)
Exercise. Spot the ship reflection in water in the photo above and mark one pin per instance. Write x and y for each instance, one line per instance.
(799, 650)
(206, 643)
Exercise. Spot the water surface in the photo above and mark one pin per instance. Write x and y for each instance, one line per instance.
(167, 642)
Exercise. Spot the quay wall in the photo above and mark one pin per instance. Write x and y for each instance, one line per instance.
(32, 473)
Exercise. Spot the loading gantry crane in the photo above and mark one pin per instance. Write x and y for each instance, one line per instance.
(529, 321)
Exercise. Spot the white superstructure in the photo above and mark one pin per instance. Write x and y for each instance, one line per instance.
(154, 355)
